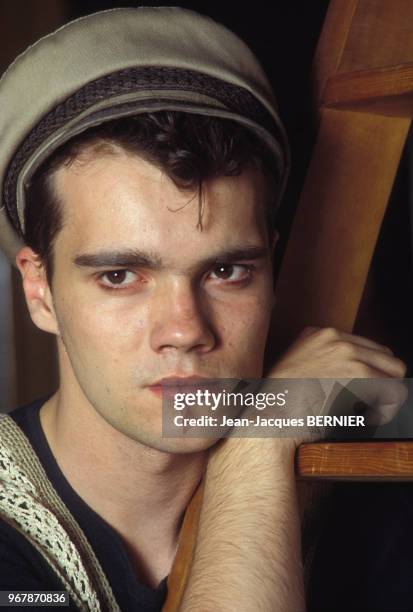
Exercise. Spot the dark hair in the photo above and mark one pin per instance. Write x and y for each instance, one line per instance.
(189, 148)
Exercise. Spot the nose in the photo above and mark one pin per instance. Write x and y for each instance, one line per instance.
(180, 320)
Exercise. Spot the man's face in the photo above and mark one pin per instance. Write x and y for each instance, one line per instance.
(141, 294)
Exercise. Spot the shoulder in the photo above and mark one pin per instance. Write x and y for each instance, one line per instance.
(21, 565)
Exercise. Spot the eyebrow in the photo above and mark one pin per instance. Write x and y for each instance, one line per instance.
(131, 258)
(125, 259)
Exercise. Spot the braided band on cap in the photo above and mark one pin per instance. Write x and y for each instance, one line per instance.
(235, 98)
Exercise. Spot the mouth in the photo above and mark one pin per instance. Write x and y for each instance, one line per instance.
(178, 384)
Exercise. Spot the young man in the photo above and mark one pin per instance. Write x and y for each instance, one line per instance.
(141, 176)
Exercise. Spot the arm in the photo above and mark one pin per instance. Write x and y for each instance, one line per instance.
(248, 552)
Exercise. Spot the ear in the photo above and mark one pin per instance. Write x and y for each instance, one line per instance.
(36, 290)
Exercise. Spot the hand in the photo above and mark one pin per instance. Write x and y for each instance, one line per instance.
(329, 353)
(335, 357)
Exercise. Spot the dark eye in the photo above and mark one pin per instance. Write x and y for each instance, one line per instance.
(118, 278)
(231, 272)
(224, 271)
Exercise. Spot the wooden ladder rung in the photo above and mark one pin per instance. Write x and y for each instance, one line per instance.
(378, 460)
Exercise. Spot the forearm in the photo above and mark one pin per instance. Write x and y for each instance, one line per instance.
(248, 552)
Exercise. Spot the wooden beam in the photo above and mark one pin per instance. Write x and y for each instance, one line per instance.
(179, 574)
(380, 35)
(355, 461)
(384, 91)
(331, 44)
(338, 220)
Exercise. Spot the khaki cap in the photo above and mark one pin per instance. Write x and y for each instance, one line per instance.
(117, 63)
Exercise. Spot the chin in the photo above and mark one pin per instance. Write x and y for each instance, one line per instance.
(181, 445)
(151, 437)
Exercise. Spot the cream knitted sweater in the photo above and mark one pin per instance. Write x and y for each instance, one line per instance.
(31, 505)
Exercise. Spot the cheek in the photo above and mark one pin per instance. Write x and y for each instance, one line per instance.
(106, 329)
(244, 328)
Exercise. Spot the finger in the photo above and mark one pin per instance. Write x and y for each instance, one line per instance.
(384, 398)
(384, 363)
(361, 341)
(378, 399)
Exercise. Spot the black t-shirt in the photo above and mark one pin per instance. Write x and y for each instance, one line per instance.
(23, 568)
